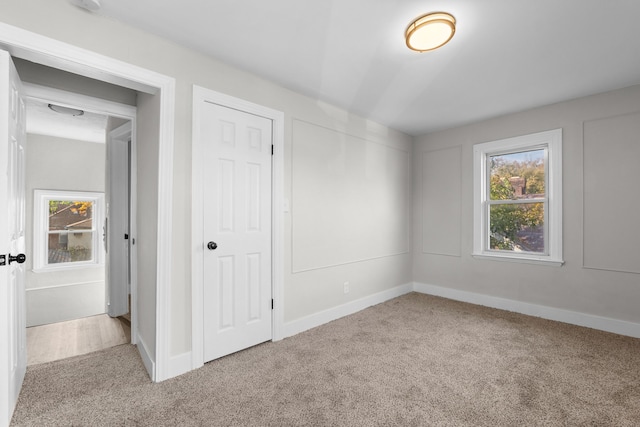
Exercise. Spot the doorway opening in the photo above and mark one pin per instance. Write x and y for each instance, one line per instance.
(153, 180)
(79, 207)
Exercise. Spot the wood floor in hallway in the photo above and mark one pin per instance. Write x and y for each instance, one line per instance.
(57, 341)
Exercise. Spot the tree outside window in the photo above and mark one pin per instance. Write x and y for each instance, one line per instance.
(518, 198)
(66, 229)
(517, 177)
(70, 235)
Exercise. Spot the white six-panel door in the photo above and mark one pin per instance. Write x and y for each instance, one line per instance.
(237, 229)
(13, 354)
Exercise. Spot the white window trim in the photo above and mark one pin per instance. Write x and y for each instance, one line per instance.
(552, 140)
(41, 229)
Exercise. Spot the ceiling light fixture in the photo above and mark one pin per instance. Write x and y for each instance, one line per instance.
(430, 31)
(90, 5)
(66, 110)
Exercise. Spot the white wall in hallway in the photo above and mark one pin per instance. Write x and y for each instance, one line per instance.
(62, 164)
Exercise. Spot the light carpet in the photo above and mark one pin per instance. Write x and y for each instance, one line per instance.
(416, 360)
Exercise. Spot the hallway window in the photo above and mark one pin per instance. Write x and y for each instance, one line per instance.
(66, 229)
(518, 198)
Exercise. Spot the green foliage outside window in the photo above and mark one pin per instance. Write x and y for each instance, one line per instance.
(518, 225)
(79, 208)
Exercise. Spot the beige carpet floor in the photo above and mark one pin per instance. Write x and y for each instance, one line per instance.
(416, 360)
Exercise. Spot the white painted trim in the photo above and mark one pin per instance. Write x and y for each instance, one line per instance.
(355, 261)
(552, 140)
(607, 324)
(53, 53)
(326, 316)
(63, 285)
(126, 134)
(147, 360)
(277, 229)
(44, 50)
(521, 260)
(128, 131)
(197, 230)
(122, 133)
(41, 230)
(76, 100)
(67, 301)
(133, 231)
(201, 95)
(179, 364)
(165, 230)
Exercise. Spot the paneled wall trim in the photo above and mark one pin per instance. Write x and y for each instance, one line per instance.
(598, 284)
(350, 198)
(611, 231)
(441, 203)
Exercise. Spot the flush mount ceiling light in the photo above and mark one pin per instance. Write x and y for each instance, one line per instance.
(90, 5)
(66, 110)
(430, 31)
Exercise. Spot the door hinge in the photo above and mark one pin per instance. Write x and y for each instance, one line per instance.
(3, 261)
(271, 303)
(272, 149)
(126, 236)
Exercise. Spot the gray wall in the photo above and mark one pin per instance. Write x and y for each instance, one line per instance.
(310, 291)
(305, 292)
(350, 210)
(62, 164)
(62, 80)
(601, 148)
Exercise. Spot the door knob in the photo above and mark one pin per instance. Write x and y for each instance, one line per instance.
(212, 246)
(20, 258)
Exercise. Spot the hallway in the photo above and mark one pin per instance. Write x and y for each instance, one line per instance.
(61, 340)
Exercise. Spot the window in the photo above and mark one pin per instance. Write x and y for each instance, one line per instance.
(518, 198)
(66, 225)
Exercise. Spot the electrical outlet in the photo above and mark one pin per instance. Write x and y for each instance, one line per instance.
(346, 287)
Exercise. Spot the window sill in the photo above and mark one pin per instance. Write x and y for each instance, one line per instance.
(520, 259)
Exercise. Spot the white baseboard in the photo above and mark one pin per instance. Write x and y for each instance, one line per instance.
(60, 303)
(575, 318)
(147, 361)
(317, 319)
(179, 364)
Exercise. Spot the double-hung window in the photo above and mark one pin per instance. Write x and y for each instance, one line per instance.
(518, 198)
(66, 229)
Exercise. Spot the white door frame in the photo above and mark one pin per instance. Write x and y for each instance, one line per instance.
(126, 134)
(200, 96)
(44, 50)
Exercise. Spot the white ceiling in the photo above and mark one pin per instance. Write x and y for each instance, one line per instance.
(507, 55)
(41, 120)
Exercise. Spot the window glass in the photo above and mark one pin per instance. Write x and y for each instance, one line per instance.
(517, 175)
(70, 235)
(517, 227)
(518, 198)
(66, 227)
